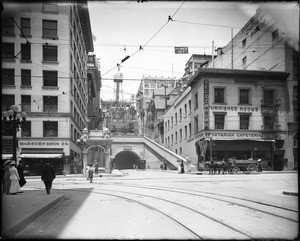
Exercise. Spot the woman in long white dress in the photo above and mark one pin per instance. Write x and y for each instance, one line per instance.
(14, 178)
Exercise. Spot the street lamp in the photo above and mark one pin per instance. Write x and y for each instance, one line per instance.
(14, 120)
(82, 141)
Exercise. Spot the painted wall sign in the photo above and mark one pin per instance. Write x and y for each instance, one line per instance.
(206, 104)
(232, 135)
(43, 143)
(234, 108)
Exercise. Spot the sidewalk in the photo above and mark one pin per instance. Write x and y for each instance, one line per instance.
(21, 209)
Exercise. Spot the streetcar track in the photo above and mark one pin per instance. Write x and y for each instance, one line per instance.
(230, 202)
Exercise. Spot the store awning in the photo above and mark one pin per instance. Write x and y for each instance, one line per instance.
(48, 155)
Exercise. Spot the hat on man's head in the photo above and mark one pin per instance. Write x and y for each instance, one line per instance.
(13, 163)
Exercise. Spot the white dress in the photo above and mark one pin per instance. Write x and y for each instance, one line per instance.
(14, 178)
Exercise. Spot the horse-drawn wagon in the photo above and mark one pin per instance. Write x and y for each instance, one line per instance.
(248, 166)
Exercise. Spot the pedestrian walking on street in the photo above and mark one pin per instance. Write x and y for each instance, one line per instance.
(162, 165)
(165, 165)
(20, 169)
(181, 167)
(96, 168)
(14, 178)
(48, 175)
(6, 175)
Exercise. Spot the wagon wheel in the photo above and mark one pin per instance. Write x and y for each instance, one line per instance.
(252, 168)
(235, 170)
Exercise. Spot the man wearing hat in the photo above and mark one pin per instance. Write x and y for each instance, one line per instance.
(48, 176)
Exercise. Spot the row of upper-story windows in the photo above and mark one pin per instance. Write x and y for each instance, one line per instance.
(244, 96)
(183, 113)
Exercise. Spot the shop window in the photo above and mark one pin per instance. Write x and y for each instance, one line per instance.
(26, 103)
(50, 29)
(244, 96)
(25, 52)
(50, 104)
(50, 128)
(219, 121)
(50, 78)
(8, 77)
(25, 27)
(244, 121)
(26, 129)
(8, 51)
(219, 95)
(50, 53)
(7, 102)
(8, 26)
(25, 77)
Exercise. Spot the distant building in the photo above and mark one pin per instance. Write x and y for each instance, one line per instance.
(44, 73)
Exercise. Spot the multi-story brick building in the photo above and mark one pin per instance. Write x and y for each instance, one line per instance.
(44, 61)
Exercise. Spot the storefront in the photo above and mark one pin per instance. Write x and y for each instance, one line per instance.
(238, 145)
(35, 153)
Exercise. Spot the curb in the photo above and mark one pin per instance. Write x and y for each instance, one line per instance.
(21, 225)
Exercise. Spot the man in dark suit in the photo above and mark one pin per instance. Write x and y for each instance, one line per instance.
(48, 175)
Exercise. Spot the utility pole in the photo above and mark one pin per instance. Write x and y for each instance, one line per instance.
(232, 48)
(165, 86)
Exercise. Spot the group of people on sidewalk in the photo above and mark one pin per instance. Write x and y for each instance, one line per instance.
(13, 177)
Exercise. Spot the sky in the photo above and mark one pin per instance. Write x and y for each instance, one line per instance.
(121, 27)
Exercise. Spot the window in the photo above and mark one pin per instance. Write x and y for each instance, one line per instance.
(50, 128)
(8, 50)
(176, 137)
(185, 132)
(219, 121)
(190, 107)
(196, 124)
(244, 121)
(268, 122)
(168, 125)
(219, 95)
(180, 150)
(175, 118)
(26, 129)
(268, 97)
(50, 103)
(180, 135)
(172, 122)
(190, 129)
(244, 96)
(25, 27)
(244, 42)
(8, 26)
(275, 35)
(196, 101)
(49, 29)
(180, 115)
(172, 141)
(50, 78)
(8, 76)
(244, 61)
(25, 77)
(185, 110)
(25, 52)
(26, 103)
(49, 53)
(7, 102)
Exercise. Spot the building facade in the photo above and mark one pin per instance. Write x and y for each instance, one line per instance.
(44, 61)
(263, 44)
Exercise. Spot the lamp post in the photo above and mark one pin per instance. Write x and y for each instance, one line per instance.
(14, 120)
(82, 141)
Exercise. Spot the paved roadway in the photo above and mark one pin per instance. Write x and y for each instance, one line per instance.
(156, 204)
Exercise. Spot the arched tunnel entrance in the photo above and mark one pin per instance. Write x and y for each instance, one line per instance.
(125, 160)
